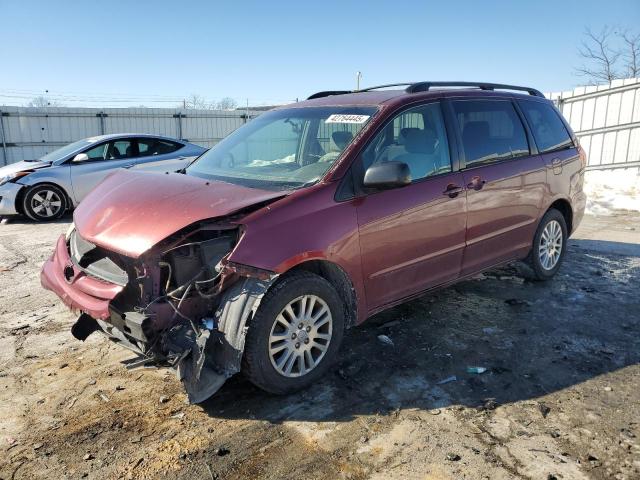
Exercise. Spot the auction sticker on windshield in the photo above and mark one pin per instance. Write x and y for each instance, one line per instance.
(346, 118)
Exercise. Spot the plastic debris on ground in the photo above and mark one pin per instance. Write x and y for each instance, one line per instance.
(452, 378)
(476, 370)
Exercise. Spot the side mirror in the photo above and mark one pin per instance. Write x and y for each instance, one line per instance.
(81, 157)
(387, 175)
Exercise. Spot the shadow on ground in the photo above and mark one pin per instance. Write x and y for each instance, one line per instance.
(24, 220)
(533, 338)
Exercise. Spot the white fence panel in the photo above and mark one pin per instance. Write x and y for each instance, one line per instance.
(606, 119)
(29, 133)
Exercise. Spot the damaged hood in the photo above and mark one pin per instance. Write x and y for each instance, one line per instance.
(130, 212)
(21, 167)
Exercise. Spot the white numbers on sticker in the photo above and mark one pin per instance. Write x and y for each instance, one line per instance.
(346, 118)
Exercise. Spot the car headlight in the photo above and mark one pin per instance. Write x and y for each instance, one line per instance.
(12, 176)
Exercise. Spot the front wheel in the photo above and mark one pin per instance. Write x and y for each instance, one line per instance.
(44, 202)
(549, 245)
(295, 334)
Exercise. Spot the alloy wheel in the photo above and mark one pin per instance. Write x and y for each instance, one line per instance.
(300, 336)
(46, 203)
(550, 246)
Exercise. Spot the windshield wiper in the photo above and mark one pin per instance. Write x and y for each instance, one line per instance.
(308, 184)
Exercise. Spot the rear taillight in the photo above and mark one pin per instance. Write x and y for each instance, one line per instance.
(582, 154)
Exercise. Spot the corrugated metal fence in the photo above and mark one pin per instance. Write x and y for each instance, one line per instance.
(29, 133)
(606, 119)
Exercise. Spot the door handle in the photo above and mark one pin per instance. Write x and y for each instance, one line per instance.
(453, 190)
(556, 164)
(129, 165)
(476, 183)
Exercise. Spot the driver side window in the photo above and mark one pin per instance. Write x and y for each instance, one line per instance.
(116, 150)
(97, 153)
(416, 137)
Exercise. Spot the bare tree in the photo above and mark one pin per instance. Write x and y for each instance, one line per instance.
(631, 53)
(227, 103)
(600, 56)
(195, 101)
(43, 101)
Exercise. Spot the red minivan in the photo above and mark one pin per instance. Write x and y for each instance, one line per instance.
(313, 217)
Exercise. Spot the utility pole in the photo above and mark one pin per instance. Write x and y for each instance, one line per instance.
(358, 77)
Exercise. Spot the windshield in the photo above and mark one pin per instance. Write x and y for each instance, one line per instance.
(283, 149)
(62, 152)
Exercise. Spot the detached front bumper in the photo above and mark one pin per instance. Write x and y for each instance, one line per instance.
(75, 288)
(8, 194)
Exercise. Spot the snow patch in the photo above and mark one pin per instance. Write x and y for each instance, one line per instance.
(611, 190)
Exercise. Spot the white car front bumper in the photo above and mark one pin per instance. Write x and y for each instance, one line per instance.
(8, 193)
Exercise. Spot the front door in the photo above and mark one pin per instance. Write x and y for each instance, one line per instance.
(412, 238)
(102, 160)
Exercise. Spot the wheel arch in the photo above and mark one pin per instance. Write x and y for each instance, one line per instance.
(564, 207)
(337, 277)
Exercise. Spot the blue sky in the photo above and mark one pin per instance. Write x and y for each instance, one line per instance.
(276, 51)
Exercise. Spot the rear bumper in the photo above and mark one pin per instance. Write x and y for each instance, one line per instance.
(579, 206)
(75, 288)
(8, 194)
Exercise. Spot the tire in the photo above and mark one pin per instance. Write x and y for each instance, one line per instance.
(44, 203)
(260, 363)
(545, 259)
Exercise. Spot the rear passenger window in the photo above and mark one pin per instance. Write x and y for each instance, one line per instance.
(548, 130)
(152, 146)
(416, 137)
(491, 131)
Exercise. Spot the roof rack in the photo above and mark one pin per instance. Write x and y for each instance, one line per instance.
(425, 86)
(328, 93)
(417, 87)
(384, 86)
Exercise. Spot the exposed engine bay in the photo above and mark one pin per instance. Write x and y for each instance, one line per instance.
(182, 305)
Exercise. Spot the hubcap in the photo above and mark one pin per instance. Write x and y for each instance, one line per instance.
(46, 203)
(550, 245)
(300, 336)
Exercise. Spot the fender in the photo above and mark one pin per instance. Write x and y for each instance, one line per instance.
(280, 237)
(58, 175)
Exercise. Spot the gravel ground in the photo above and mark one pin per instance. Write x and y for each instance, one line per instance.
(560, 398)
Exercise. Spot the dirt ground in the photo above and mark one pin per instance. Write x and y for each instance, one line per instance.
(560, 398)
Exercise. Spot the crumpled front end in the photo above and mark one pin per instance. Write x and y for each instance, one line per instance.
(79, 291)
(181, 304)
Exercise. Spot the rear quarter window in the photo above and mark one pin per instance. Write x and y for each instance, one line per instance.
(491, 131)
(156, 146)
(548, 129)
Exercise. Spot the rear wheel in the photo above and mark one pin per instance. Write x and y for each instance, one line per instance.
(44, 202)
(549, 245)
(295, 334)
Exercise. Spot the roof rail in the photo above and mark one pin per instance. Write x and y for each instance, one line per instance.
(384, 86)
(425, 86)
(328, 93)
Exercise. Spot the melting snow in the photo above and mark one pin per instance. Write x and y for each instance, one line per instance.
(611, 190)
